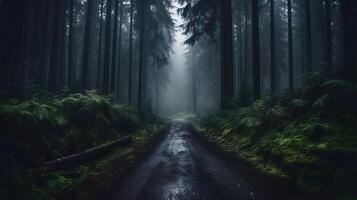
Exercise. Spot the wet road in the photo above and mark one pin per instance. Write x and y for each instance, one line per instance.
(181, 168)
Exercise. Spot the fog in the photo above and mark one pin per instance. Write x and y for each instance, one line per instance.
(175, 97)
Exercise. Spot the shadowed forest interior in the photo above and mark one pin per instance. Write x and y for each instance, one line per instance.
(89, 88)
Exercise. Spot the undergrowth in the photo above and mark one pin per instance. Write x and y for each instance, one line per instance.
(37, 126)
(309, 137)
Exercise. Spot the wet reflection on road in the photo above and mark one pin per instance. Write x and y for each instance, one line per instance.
(183, 169)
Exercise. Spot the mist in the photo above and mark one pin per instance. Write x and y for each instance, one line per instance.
(176, 94)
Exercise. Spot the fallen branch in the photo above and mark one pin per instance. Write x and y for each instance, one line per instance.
(86, 155)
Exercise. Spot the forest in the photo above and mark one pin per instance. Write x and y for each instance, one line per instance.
(178, 99)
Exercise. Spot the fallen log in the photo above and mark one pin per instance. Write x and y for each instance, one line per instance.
(86, 155)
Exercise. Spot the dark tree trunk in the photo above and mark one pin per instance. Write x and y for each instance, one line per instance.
(62, 46)
(141, 56)
(272, 48)
(13, 17)
(291, 47)
(241, 71)
(328, 37)
(120, 44)
(239, 53)
(349, 12)
(115, 46)
(244, 92)
(130, 52)
(53, 81)
(107, 47)
(87, 45)
(256, 49)
(71, 63)
(99, 85)
(227, 66)
(308, 36)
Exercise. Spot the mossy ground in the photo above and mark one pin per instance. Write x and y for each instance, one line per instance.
(309, 137)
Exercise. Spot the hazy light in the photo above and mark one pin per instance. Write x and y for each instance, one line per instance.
(175, 98)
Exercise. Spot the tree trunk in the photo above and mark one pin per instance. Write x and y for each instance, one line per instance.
(130, 51)
(308, 36)
(71, 63)
(256, 49)
(87, 45)
(291, 47)
(227, 66)
(141, 56)
(53, 62)
(99, 64)
(115, 46)
(120, 45)
(62, 47)
(107, 47)
(349, 12)
(328, 37)
(13, 17)
(272, 48)
(244, 93)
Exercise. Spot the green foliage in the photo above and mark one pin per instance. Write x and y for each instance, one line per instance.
(64, 124)
(308, 136)
(36, 127)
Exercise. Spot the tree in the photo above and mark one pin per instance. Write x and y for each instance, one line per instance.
(272, 48)
(71, 64)
(99, 64)
(328, 37)
(256, 49)
(107, 47)
(227, 83)
(349, 15)
(87, 44)
(308, 43)
(115, 45)
(120, 43)
(202, 20)
(291, 47)
(53, 62)
(141, 54)
(130, 51)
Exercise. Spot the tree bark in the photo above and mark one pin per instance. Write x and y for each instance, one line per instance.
(328, 37)
(87, 45)
(130, 52)
(120, 45)
(71, 63)
(308, 36)
(291, 47)
(227, 66)
(272, 48)
(141, 57)
(99, 64)
(349, 15)
(115, 46)
(53, 80)
(256, 49)
(107, 48)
